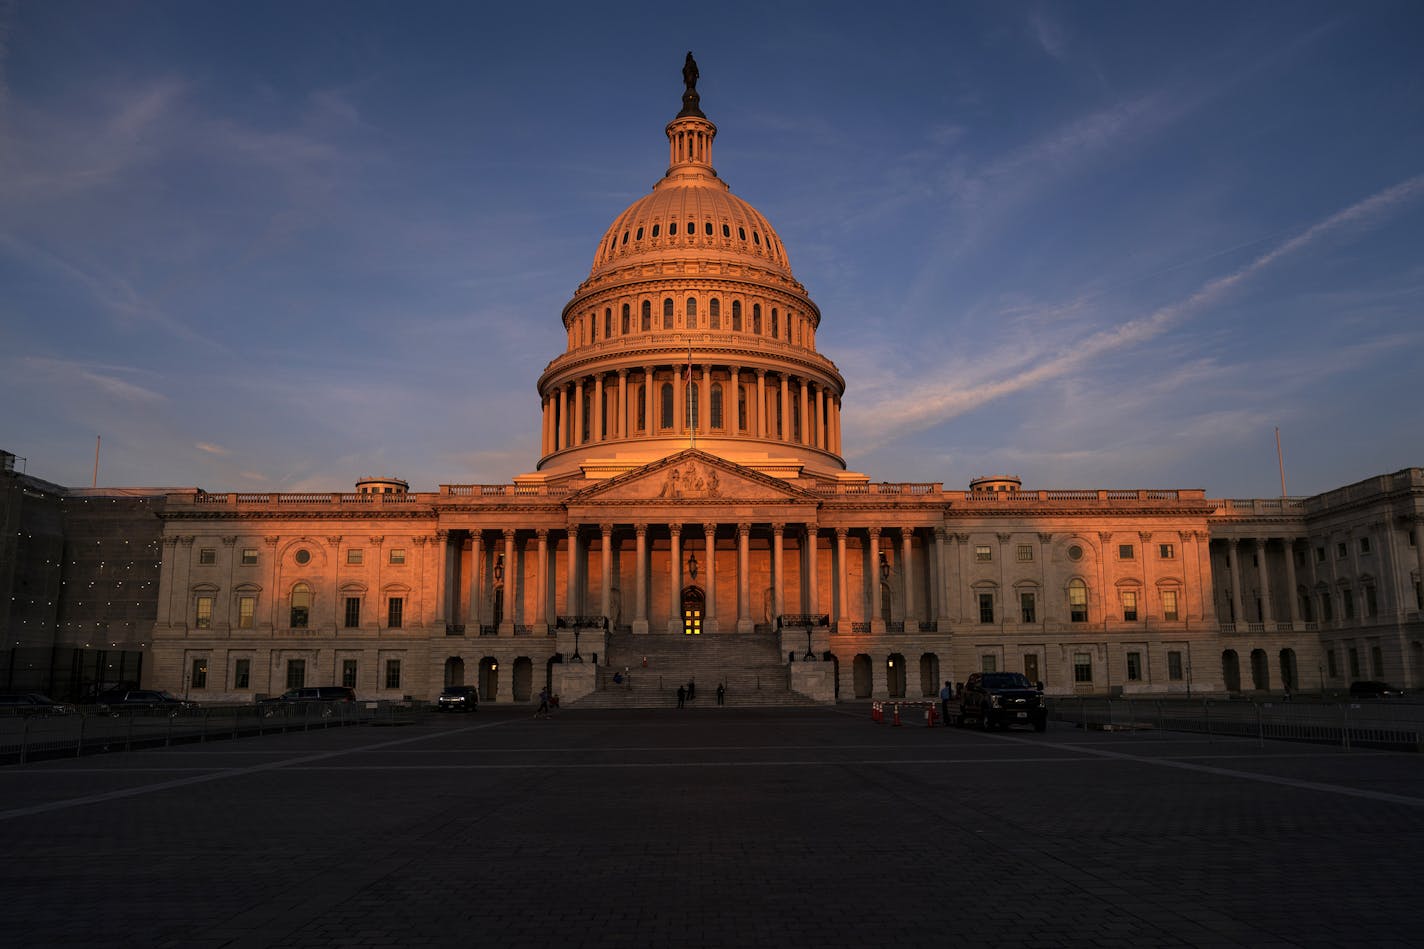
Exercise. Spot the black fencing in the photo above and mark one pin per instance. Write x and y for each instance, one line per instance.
(93, 730)
(1397, 726)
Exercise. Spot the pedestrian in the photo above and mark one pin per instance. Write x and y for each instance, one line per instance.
(945, 694)
(721, 693)
(645, 662)
(681, 696)
(691, 690)
(543, 710)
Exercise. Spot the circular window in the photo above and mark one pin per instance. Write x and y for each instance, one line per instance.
(1075, 552)
(303, 556)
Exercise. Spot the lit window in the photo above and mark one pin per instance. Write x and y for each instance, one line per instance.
(301, 606)
(1025, 553)
(354, 556)
(397, 555)
(1129, 606)
(249, 556)
(205, 612)
(983, 553)
(1169, 605)
(246, 610)
(207, 555)
(1077, 601)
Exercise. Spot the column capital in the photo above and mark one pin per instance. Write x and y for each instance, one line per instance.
(1105, 536)
(841, 533)
(812, 528)
(941, 533)
(229, 539)
(709, 527)
(778, 529)
(623, 373)
(543, 534)
(606, 530)
(744, 529)
(1145, 536)
(706, 366)
(335, 540)
(1004, 538)
(874, 532)
(640, 529)
(376, 540)
(419, 541)
(761, 374)
(186, 540)
(441, 534)
(509, 533)
(675, 530)
(1045, 538)
(734, 369)
(961, 538)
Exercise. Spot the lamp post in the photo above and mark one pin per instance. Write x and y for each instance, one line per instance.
(884, 566)
(499, 569)
(692, 565)
(810, 656)
(576, 656)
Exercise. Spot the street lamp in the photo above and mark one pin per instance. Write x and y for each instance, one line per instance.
(692, 565)
(884, 566)
(810, 656)
(499, 569)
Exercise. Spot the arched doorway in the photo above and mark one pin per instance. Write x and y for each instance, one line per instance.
(556, 659)
(1260, 670)
(523, 680)
(693, 604)
(489, 679)
(454, 671)
(1231, 670)
(929, 675)
(895, 676)
(860, 676)
(1288, 671)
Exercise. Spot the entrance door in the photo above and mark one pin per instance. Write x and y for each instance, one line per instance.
(1031, 666)
(693, 603)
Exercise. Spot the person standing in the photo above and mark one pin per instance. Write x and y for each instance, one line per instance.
(691, 690)
(681, 695)
(945, 694)
(721, 692)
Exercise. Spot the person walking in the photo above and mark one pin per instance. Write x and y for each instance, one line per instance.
(543, 710)
(945, 694)
(721, 693)
(681, 695)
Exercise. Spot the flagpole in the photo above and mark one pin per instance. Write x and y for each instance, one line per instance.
(691, 415)
(1281, 461)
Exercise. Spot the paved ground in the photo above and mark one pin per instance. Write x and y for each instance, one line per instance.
(745, 828)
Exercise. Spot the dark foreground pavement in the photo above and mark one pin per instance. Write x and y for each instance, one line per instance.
(744, 828)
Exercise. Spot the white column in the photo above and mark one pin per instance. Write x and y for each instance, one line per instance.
(744, 579)
(607, 568)
(778, 597)
(541, 570)
(842, 576)
(596, 426)
(734, 426)
(941, 579)
(472, 609)
(640, 612)
(761, 404)
(621, 422)
(1233, 551)
(561, 430)
(907, 536)
(709, 617)
(1268, 615)
(675, 578)
(704, 402)
(511, 583)
(442, 577)
(812, 546)
(577, 438)
(783, 421)
(872, 581)
(1292, 597)
(805, 412)
(821, 427)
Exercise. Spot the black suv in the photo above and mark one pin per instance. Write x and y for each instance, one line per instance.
(1002, 699)
(458, 698)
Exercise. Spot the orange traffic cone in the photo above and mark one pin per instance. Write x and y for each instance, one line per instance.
(897, 714)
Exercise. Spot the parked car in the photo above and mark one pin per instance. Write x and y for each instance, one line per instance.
(144, 700)
(458, 698)
(1373, 689)
(328, 697)
(1001, 699)
(32, 705)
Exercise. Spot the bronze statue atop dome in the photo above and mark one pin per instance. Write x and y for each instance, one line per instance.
(690, 98)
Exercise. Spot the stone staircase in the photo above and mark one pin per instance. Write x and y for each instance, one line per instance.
(751, 667)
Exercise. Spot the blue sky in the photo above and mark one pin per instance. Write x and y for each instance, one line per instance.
(277, 246)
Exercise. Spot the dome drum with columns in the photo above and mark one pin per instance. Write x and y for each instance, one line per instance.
(690, 275)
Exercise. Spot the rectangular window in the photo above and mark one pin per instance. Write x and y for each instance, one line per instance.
(246, 611)
(1376, 662)
(1330, 663)
(200, 674)
(395, 610)
(983, 553)
(205, 612)
(348, 673)
(1341, 551)
(249, 556)
(1327, 608)
(1354, 663)
(207, 555)
(354, 556)
(393, 673)
(296, 673)
(986, 607)
(1167, 551)
(1347, 602)
(1320, 555)
(1364, 545)
(1371, 603)
(1174, 666)
(1169, 605)
(242, 674)
(1134, 667)
(1026, 605)
(353, 611)
(1129, 606)
(1082, 667)
(1025, 553)
(397, 555)
(988, 663)
(1125, 551)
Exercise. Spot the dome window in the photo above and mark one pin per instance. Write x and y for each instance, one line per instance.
(647, 316)
(726, 231)
(625, 237)
(709, 228)
(741, 233)
(667, 313)
(607, 322)
(691, 312)
(672, 229)
(714, 313)
(656, 227)
(736, 316)
(691, 228)
(756, 238)
(638, 236)
(775, 323)
(625, 319)
(756, 318)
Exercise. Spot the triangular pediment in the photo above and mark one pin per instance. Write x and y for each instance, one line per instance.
(692, 476)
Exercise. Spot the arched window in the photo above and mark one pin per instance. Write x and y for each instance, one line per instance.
(691, 312)
(667, 313)
(714, 314)
(672, 229)
(736, 316)
(666, 412)
(775, 324)
(301, 606)
(756, 318)
(593, 327)
(1078, 601)
(692, 404)
(640, 393)
(715, 418)
(607, 322)
(625, 319)
(709, 228)
(647, 316)
(741, 409)
(726, 231)
(655, 229)
(638, 236)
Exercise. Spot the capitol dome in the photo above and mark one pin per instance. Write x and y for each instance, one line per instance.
(690, 277)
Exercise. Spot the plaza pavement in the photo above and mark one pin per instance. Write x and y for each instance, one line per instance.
(713, 827)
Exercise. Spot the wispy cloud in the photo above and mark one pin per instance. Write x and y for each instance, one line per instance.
(103, 378)
(212, 449)
(934, 402)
